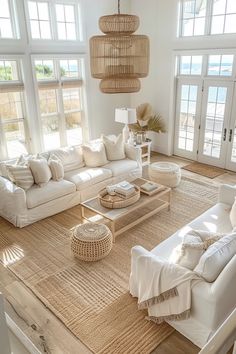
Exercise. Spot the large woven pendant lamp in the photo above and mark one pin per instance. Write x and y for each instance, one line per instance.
(119, 58)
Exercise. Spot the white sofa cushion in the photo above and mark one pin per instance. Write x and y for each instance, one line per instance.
(56, 168)
(95, 154)
(20, 175)
(216, 257)
(86, 177)
(232, 214)
(115, 149)
(40, 170)
(121, 167)
(71, 157)
(52, 190)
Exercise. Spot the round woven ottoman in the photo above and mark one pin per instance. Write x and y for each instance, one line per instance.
(91, 242)
(165, 173)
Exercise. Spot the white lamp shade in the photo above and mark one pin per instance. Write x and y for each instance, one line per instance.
(126, 115)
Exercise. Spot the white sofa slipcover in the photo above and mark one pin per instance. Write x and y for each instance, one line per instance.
(211, 302)
(22, 208)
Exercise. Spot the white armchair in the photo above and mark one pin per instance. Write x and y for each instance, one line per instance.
(211, 302)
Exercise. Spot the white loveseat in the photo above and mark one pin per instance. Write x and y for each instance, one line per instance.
(22, 207)
(211, 302)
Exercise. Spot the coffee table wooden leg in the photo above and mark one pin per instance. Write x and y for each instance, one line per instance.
(82, 212)
(169, 199)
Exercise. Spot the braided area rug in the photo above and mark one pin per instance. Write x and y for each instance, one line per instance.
(92, 299)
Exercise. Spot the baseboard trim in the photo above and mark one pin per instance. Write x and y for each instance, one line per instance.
(21, 336)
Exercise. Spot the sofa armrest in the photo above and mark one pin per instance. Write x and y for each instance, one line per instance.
(12, 198)
(133, 153)
(227, 194)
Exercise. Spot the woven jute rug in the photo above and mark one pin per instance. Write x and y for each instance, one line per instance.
(92, 299)
(204, 170)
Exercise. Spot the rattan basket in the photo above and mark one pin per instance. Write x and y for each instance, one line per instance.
(117, 202)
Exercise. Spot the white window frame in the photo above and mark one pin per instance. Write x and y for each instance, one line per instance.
(208, 22)
(54, 41)
(14, 23)
(3, 146)
(61, 113)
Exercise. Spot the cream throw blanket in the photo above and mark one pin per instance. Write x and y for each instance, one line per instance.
(163, 288)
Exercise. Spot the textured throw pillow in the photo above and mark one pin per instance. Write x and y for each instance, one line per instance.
(56, 167)
(41, 171)
(232, 214)
(190, 251)
(71, 157)
(95, 154)
(115, 148)
(213, 261)
(20, 175)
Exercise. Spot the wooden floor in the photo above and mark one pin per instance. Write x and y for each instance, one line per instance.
(47, 333)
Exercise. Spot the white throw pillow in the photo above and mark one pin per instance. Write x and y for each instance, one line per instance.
(20, 175)
(95, 154)
(71, 157)
(41, 171)
(213, 261)
(115, 148)
(190, 252)
(56, 167)
(232, 214)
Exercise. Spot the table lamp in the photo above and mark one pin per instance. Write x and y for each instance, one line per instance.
(126, 116)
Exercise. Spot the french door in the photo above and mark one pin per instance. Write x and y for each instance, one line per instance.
(206, 121)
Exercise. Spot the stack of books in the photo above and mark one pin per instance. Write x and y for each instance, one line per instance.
(123, 189)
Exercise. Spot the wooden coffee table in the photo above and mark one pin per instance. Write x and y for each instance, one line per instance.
(123, 219)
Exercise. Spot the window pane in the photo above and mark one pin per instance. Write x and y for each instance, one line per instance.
(48, 101)
(33, 12)
(15, 139)
(226, 65)
(191, 65)
(8, 70)
(193, 17)
(73, 128)
(230, 24)
(214, 65)
(71, 99)
(69, 68)
(6, 30)
(11, 106)
(199, 24)
(69, 13)
(231, 6)
(60, 13)
(70, 31)
(43, 11)
(61, 27)
(44, 69)
(219, 7)
(185, 65)
(51, 132)
(39, 20)
(217, 26)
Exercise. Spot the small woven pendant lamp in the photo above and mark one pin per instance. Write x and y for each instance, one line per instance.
(119, 58)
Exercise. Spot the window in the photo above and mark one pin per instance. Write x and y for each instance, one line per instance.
(220, 65)
(39, 20)
(53, 20)
(66, 25)
(207, 17)
(191, 65)
(7, 20)
(60, 101)
(206, 65)
(12, 110)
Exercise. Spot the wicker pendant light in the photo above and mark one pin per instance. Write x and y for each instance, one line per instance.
(119, 58)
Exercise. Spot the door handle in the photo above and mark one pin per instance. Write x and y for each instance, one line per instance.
(225, 132)
(230, 135)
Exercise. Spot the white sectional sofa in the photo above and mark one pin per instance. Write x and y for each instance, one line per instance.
(211, 302)
(22, 207)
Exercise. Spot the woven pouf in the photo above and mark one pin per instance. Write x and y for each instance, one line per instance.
(91, 242)
(165, 173)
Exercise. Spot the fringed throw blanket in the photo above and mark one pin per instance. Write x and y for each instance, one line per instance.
(163, 288)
